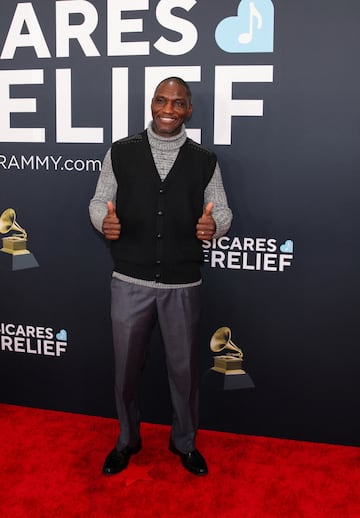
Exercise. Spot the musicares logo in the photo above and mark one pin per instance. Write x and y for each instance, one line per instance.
(36, 340)
(125, 28)
(252, 254)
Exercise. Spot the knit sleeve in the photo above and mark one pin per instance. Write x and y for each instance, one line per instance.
(105, 191)
(215, 193)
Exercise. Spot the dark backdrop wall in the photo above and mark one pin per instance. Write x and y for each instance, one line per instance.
(276, 95)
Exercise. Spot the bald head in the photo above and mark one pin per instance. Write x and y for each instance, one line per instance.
(179, 81)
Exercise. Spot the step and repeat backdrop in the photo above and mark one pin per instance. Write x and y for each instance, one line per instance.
(276, 95)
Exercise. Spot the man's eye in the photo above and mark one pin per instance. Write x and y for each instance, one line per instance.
(159, 101)
(180, 104)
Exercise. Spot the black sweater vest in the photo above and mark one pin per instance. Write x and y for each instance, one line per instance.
(158, 218)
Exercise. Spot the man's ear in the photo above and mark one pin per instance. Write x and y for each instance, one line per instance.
(189, 113)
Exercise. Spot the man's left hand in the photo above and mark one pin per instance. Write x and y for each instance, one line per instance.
(205, 228)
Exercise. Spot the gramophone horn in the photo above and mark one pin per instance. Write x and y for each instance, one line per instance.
(221, 339)
(8, 222)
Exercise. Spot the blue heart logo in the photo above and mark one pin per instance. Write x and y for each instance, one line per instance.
(252, 30)
(287, 247)
(62, 335)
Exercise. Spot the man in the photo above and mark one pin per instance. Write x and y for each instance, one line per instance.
(159, 195)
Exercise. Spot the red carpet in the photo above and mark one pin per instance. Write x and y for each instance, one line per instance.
(51, 467)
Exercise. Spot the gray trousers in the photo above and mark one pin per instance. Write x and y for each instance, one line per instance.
(134, 312)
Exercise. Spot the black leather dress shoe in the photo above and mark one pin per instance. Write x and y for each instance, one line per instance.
(116, 461)
(193, 461)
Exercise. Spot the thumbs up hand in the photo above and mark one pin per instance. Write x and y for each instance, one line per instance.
(205, 228)
(111, 225)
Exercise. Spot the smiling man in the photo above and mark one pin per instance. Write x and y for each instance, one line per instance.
(170, 107)
(159, 195)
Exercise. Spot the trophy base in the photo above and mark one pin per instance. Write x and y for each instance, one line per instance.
(226, 371)
(231, 381)
(15, 262)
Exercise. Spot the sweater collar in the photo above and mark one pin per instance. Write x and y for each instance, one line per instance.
(166, 143)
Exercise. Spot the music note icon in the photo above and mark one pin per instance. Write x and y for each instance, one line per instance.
(246, 37)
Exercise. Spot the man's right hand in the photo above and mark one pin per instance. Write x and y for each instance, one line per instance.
(111, 225)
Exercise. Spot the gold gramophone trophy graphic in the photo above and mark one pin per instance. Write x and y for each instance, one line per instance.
(230, 363)
(15, 255)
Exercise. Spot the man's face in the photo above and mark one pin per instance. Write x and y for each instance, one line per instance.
(170, 108)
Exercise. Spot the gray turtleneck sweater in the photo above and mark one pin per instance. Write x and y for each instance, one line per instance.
(164, 151)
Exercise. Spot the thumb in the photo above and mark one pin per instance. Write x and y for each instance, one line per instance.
(111, 208)
(208, 209)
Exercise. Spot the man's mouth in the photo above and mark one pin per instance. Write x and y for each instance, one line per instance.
(167, 119)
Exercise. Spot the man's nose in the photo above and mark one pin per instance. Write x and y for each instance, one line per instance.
(168, 107)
